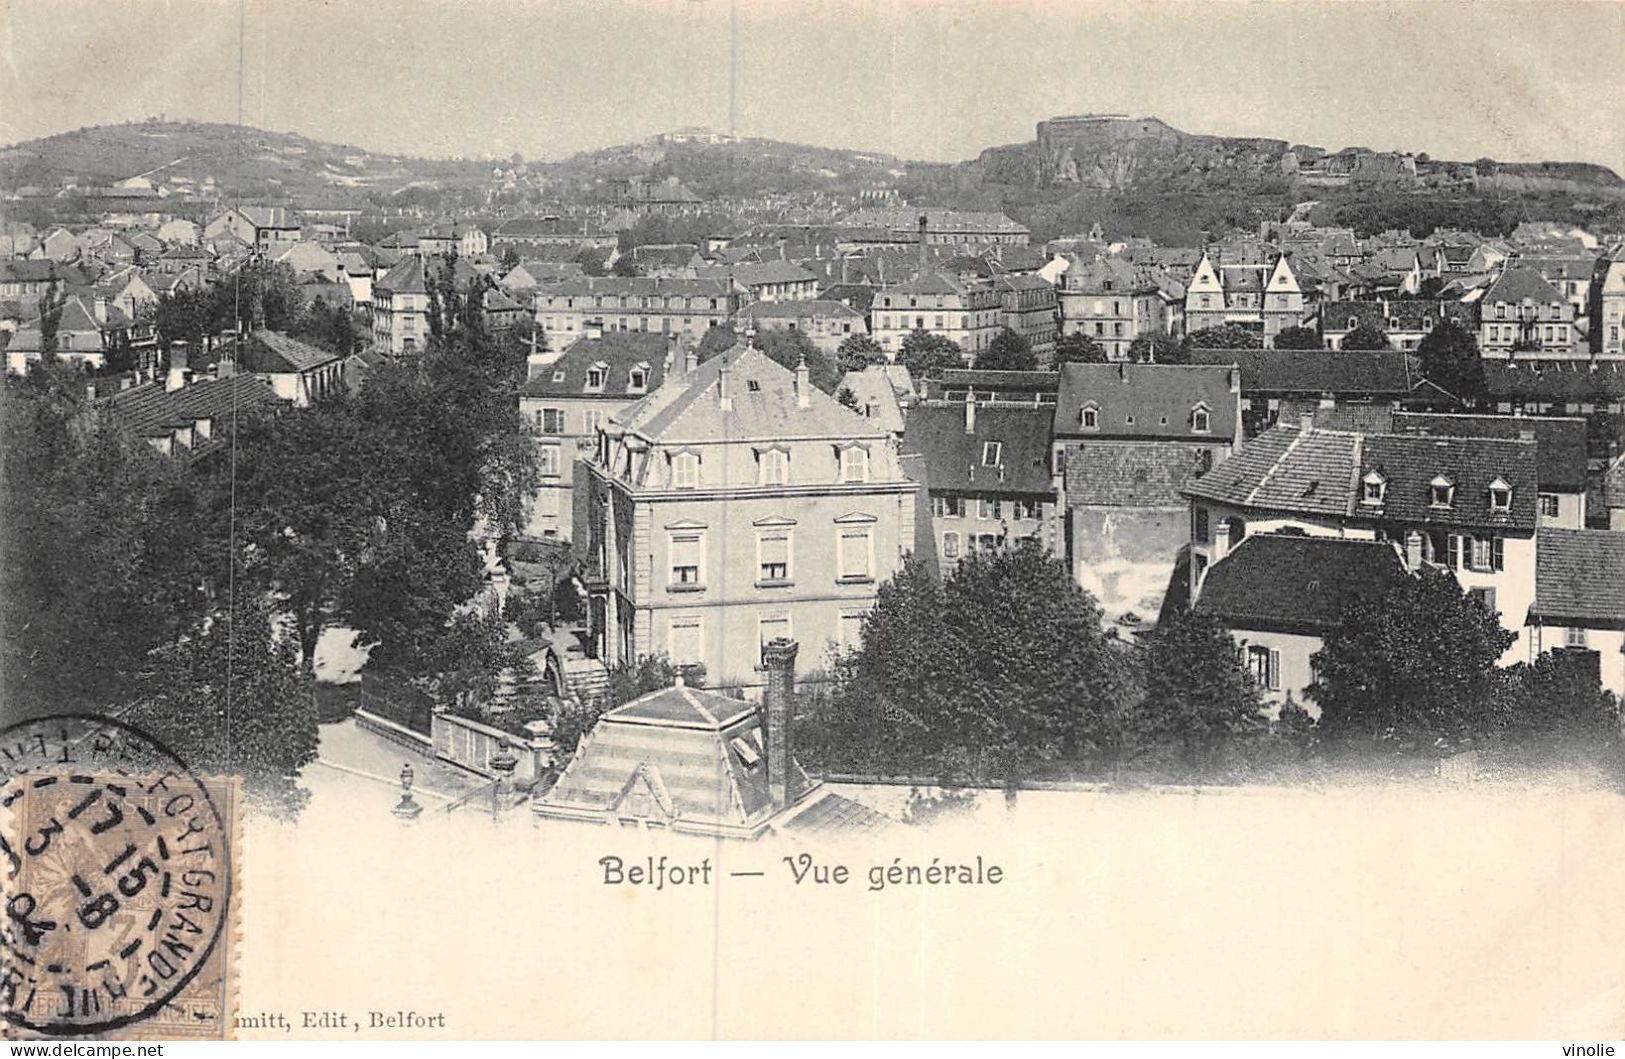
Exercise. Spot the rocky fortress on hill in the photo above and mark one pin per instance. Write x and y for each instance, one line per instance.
(1116, 152)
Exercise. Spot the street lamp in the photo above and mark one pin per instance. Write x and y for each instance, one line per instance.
(407, 809)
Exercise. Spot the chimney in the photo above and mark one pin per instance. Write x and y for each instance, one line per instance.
(1306, 421)
(177, 369)
(226, 366)
(1413, 550)
(1221, 539)
(593, 329)
(803, 383)
(691, 359)
(970, 411)
(101, 309)
(922, 244)
(779, 667)
(725, 394)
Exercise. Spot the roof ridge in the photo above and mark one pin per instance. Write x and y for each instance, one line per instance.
(1275, 464)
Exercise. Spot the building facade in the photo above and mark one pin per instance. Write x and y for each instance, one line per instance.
(967, 312)
(686, 307)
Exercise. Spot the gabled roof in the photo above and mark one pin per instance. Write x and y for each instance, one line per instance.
(1299, 584)
(1555, 381)
(1370, 373)
(1519, 284)
(618, 352)
(930, 283)
(1560, 462)
(1580, 578)
(879, 391)
(152, 411)
(955, 458)
(799, 310)
(1146, 400)
(687, 408)
(271, 352)
(406, 277)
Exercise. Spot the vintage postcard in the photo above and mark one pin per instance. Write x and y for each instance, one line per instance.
(763, 519)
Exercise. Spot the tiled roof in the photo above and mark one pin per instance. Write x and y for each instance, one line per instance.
(930, 283)
(1385, 372)
(1580, 575)
(749, 275)
(618, 351)
(1560, 462)
(1146, 400)
(1130, 473)
(406, 277)
(798, 310)
(1290, 583)
(988, 380)
(638, 286)
(152, 411)
(1613, 487)
(1518, 284)
(687, 408)
(1283, 469)
(836, 815)
(272, 352)
(879, 391)
(683, 707)
(954, 457)
(1555, 381)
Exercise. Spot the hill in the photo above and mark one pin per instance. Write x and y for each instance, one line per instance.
(241, 161)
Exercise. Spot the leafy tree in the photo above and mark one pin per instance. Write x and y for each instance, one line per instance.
(1450, 359)
(624, 266)
(1158, 347)
(260, 294)
(1079, 348)
(1225, 336)
(592, 261)
(1197, 695)
(1366, 337)
(332, 328)
(510, 259)
(1558, 703)
(1416, 665)
(789, 348)
(996, 672)
(231, 698)
(925, 354)
(50, 306)
(1526, 345)
(858, 351)
(1298, 338)
(186, 315)
(1009, 351)
(716, 340)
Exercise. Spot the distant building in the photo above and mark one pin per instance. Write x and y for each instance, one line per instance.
(1607, 306)
(1579, 605)
(1406, 321)
(687, 307)
(259, 226)
(1253, 296)
(967, 312)
(1029, 308)
(1524, 317)
(734, 506)
(1110, 303)
(1273, 380)
(297, 371)
(826, 323)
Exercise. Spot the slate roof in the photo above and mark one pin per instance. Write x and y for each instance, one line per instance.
(687, 409)
(1290, 583)
(750, 275)
(618, 351)
(1146, 400)
(1384, 372)
(987, 380)
(1319, 471)
(881, 390)
(954, 457)
(1579, 578)
(1560, 462)
(681, 755)
(1518, 284)
(272, 352)
(637, 286)
(1130, 473)
(798, 310)
(1555, 381)
(405, 277)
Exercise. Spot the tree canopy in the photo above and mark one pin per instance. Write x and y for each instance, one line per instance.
(1298, 338)
(1450, 359)
(1079, 348)
(1159, 347)
(1366, 337)
(1225, 336)
(925, 354)
(858, 351)
(1009, 351)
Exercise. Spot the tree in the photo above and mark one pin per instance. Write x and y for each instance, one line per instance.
(1366, 337)
(925, 354)
(510, 259)
(50, 318)
(230, 698)
(1559, 704)
(186, 315)
(858, 351)
(1009, 351)
(791, 348)
(716, 340)
(996, 672)
(331, 328)
(1415, 665)
(1298, 338)
(1197, 695)
(625, 267)
(1079, 348)
(1225, 336)
(1450, 359)
(1158, 347)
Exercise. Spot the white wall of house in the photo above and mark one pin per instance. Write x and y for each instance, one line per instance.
(1608, 643)
(1288, 669)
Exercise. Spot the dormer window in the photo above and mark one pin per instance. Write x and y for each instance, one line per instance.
(638, 379)
(595, 376)
(1090, 417)
(1201, 420)
(773, 467)
(992, 453)
(1372, 488)
(854, 464)
(1500, 496)
(685, 471)
(1441, 492)
(1354, 322)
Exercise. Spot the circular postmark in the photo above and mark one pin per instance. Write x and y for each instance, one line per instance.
(115, 875)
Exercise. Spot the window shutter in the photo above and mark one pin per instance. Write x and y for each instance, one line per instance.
(1455, 551)
(1275, 670)
(1497, 554)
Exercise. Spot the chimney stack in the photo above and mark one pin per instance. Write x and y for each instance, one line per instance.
(1306, 421)
(725, 395)
(970, 411)
(1413, 550)
(1221, 539)
(691, 359)
(922, 245)
(779, 667)
(177, 368)
(803, 383)
(101, 309)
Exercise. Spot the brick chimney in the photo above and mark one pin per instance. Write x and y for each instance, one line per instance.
(1221, 539)
(923, 255)
(779, 668)
(725, 393)
(1413, 550)
(970, 411)
(101, 309)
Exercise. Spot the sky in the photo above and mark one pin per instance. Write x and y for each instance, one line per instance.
(933, 80)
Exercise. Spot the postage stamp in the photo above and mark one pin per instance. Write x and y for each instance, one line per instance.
(117, 875)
